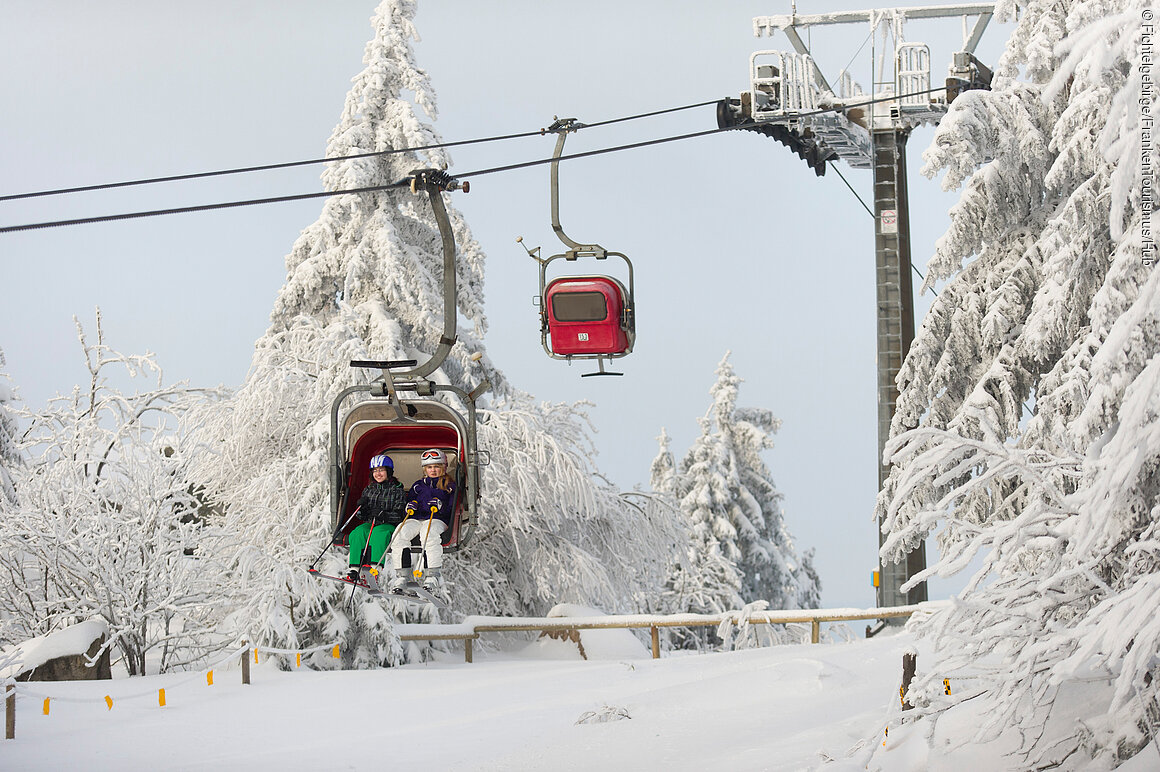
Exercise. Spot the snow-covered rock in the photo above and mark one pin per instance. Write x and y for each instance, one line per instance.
(61, 656)
(586, 644)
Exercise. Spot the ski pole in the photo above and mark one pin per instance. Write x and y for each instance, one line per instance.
(334, 536)
(365, 557)
(390, 542)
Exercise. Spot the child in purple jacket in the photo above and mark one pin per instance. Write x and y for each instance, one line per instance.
(430, 507)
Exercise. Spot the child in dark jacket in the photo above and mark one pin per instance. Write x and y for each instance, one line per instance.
(430, 507)
(380, 507)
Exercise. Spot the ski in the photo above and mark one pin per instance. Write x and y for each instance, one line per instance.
(426, 596)
(362, 583)
(411, 591)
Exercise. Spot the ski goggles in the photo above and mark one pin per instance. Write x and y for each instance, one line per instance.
(433, 457)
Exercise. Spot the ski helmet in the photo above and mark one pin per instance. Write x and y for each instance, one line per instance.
(382, 460)
(433, 456)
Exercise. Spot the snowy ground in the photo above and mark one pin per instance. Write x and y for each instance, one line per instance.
(782, 708)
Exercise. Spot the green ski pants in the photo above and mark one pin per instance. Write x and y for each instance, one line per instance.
(380, 536)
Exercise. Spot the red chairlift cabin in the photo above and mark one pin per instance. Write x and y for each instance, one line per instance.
(588, 315)
(373, 427)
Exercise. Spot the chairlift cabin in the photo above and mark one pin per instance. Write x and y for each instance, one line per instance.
(587, 316)
(403, 428)
(400, 413)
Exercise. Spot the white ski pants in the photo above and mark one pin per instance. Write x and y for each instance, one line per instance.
(432, 540)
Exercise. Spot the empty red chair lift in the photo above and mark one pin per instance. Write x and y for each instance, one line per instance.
(586, 316)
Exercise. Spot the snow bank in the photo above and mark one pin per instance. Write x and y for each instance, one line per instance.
(586, 644)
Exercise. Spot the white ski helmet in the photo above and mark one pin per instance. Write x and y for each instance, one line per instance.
(382, 460)
(433, 456)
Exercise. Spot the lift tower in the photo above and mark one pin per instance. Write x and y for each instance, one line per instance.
(790, 100)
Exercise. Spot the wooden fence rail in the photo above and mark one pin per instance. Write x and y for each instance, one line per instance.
(470, 629)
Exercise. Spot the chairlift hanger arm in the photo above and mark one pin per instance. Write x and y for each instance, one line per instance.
(561, 127)
(433, 183)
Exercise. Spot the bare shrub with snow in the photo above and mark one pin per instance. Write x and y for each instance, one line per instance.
(105, 522)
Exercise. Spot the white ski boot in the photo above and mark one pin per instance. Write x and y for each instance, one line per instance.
(398, 582)
(433, 581)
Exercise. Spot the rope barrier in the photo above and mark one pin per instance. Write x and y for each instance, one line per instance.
(270, 650)
(21, 689)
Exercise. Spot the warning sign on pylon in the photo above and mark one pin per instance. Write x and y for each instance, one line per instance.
(889, 221)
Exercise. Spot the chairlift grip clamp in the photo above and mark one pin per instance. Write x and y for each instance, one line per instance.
(422, 179)
(563, 126)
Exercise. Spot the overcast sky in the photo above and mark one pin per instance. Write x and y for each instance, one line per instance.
(737, 245)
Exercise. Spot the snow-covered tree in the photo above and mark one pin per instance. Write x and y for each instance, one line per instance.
(9, 456)
(365, 282)
(105, 522)
(1053, 302)
(739, 549)
(552, 529)
(771, 568)
(662, 472)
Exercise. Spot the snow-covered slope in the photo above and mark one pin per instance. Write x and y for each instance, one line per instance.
(539, 707)
(771, 708)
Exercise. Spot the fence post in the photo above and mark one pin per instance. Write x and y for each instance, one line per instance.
(656, 642)
(10, 712)
(815, 630)
(246, 663)
(467, 650)
(909, 665)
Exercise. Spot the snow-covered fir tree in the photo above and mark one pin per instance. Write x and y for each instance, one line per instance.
(771, 568)
(1028, 425)
(739, 550)
(365, 282)
(105, 522)
(662, 472)
(9, 455)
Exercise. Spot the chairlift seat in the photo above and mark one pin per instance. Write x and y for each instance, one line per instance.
(371, 429)
(586, 316)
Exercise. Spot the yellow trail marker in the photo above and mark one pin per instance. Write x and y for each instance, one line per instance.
(109, 701)
(298, 659)
(209, 678)
(46, 699)
(335, 652)
(161, 697)
(255, 656)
